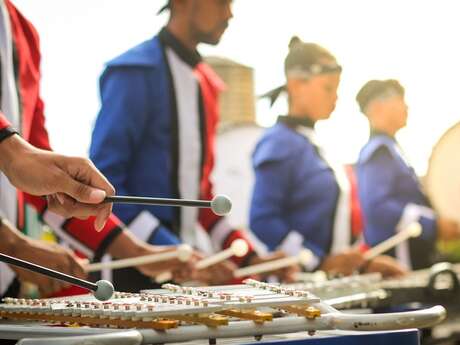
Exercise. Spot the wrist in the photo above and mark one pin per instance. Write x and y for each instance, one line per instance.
(11, 239)
(10, 148)
(125, 245)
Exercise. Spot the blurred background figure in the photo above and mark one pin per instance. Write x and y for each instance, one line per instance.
(302, 197)
(391, 194)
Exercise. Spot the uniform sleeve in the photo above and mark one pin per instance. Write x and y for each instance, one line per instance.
(267, 203)
(79, 234)
(385, 211)
(222, 234)
(117, 132)
(3, 121)
(39, 135)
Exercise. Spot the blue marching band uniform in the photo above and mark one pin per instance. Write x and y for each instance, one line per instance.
(154, 135)
(301, 198)
(391, 198)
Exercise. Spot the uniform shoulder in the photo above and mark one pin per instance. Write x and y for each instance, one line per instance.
(278, 143)
(375, 145)
(146, 54)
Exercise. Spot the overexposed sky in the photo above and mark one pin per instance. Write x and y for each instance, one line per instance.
(415, 41)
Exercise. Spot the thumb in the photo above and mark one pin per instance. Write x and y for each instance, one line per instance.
(82, 192)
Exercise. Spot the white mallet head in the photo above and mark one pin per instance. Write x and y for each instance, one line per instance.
(104, 290)
(305, 256)
(415, 229)
(221, 205)
(239, 248)
(184, 252)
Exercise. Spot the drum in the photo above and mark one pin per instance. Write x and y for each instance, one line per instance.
(443, 182)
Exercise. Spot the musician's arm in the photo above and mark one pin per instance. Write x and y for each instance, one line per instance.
(386, 208)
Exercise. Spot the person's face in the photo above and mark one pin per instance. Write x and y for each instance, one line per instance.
(396, 111)
(209, 19)
(392, 111)
(317, 96)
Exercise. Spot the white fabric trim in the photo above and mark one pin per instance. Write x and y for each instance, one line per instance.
(219, 233)
(292, 243)
(56, 222)
(204, 243)
(313, 263)
(106, 273)
(9, 106)
(411, 213)
(6, 277)
(341, 236)
(143, 225)
(186, 87)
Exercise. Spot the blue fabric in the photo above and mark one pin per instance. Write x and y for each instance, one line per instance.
(386, 185)
(162, 235)
(132, 133)
(294, 189)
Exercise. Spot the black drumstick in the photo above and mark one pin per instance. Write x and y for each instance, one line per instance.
(103, 289)
(220, 204)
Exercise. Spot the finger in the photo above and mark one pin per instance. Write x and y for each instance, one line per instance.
(86, 184)
(69, 207)
(102, 216)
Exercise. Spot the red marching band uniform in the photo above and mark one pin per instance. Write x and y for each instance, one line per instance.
(79, 234)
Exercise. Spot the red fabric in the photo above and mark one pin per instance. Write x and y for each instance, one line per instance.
(27, 46)
(211, 85)
(357, 223)
(70, 291)
(3, 121)
(33, 129)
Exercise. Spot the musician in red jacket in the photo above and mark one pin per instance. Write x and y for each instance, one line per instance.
(22, 107)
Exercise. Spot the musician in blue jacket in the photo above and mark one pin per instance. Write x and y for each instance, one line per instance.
(390, 191)
(301, 197)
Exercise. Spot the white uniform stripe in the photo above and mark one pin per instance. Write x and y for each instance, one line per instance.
(341, 236)
(292, 245)
(143, 225)
(411, 213)
(9, 106)
(56, 222)
(219, 232)
(186, 89)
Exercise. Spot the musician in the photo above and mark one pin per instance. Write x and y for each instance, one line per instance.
(20, 64)
(390, 191)
(155, 132)
(301, 197)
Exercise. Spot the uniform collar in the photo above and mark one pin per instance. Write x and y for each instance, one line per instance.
(190, 57)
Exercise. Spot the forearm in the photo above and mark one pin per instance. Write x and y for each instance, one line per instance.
(126, 245)
(10, 147)
(12, 241)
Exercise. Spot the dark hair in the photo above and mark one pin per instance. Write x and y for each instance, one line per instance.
(377, 88)
(304, 59)
(303, 56)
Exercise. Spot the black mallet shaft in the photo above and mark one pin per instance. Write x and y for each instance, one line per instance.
(103, 289)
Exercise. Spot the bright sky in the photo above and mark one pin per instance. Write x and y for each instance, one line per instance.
(415, 41)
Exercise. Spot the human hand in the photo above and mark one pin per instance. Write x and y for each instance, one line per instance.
(387, 266)
(73, 186)
(286, 274)
(345, 263)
